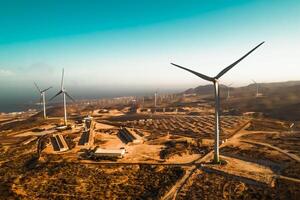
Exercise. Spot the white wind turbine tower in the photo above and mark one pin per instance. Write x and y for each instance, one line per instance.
(257, 88)
(42, 98)
(64, 93)
(155, 98)
(291, 127)
(215, 81)
(143, 101)
(228, 90)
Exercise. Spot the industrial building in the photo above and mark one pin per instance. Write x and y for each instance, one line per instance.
(111, 153)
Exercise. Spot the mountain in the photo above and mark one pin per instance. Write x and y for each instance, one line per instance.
(279, 100)
(263, 87)
(203, 89)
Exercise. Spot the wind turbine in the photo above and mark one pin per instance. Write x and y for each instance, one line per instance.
(64, 93)
(291, 127)
(257, 91)
(143, 101)
(42, 98)
(228, 90)
(155, 98)
(215, 81)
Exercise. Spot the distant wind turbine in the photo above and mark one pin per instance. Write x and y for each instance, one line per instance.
(155, 98)
(257, 88)
(228, 90)
(215, 81)
(143, 101)
(64, 93)
(42, 98)
(291, 127)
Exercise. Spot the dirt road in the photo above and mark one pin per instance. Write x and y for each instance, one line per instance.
(293, 156)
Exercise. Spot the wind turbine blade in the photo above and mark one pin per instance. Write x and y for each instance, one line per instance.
(70, 96)
(55, 95)
(196, 73)
(236, 62)
(62, 78)
(46, 89)
(37, 87)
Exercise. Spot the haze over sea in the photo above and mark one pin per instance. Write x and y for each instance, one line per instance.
(24, 100)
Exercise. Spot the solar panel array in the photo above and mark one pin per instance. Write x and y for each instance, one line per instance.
(191, 126)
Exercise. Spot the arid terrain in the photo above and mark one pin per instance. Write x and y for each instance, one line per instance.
(168, 150)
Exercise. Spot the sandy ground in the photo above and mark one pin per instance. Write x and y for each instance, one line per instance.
(109, 141)
(6, 118)
(246, 169)
(103, 126)
(48, 130)
(30, 133)
(142, 152)
(184, 158)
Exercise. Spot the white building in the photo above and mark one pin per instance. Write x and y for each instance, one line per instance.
(119, 153)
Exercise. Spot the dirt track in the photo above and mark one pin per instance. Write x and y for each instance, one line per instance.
(293, 156)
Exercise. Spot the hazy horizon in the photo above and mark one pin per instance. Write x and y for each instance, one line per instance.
(122, 48)
(23, 100)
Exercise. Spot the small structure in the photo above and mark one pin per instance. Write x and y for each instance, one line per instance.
(109, 153)
(87, 136)
(88, 122)
(59, 143)
(61, 128)
(84, 139)
(127, 135)
(253, 114)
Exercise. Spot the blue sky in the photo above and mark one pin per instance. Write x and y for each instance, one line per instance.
(123, 45)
